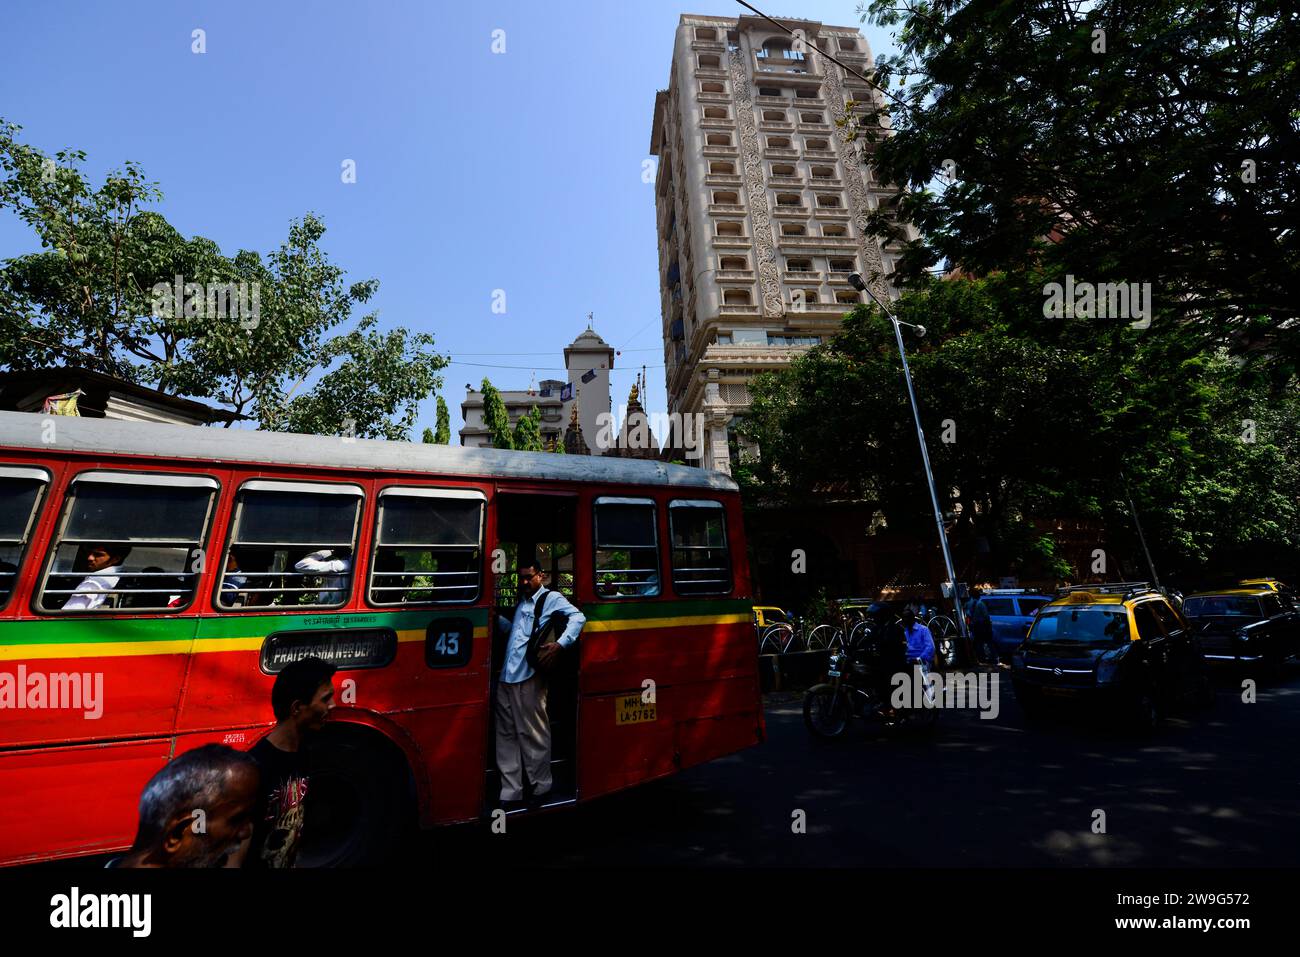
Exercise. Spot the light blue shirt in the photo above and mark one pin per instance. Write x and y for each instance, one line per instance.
(517, 668)
(920, 643)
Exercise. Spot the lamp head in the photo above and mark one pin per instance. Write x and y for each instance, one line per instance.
(856, 281)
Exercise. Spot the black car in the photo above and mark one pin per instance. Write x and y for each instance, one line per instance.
(1121, 650)
(1253, 626)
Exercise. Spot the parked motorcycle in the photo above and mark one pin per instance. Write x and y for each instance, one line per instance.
(853, 689)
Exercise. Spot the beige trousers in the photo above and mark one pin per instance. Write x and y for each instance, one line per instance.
(523, 737)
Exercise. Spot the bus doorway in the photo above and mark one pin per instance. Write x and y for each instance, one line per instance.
(539, 527)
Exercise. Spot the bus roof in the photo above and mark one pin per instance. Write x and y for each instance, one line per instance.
(198, 443)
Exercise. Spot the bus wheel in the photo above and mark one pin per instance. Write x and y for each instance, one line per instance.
(360, 802)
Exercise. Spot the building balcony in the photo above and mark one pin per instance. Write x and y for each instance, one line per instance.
(800, 212)
(816, 242)
(772, 100)
(831, 212)
(722, 179)
(838, 278)
(727, 209)
(717, 123)
(709, 73)
(793, 277)
(730, 309)
(826, 182)
(708, 46)
(775, 126)
(732, 242)
(780, 152)
(786, 70)
(809, 101)
(820, 154)
(739, 275)
(814, 127)
(785, 181)
(729, 152)
(713, 97)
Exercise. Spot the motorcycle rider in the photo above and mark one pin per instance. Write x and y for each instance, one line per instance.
(920, 646)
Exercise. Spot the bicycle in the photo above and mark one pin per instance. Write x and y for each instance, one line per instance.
(946, 639)
(780, 638)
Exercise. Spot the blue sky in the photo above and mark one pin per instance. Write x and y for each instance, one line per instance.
(475, 171)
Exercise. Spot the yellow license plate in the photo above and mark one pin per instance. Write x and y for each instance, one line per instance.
(630, 709)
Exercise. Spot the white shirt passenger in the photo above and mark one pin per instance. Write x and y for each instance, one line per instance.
(335, 572)
(93, 591)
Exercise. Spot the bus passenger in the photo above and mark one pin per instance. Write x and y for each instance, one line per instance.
(233, 583)
(334, 564)
(105, 561)
(523, 726)
(214, 781)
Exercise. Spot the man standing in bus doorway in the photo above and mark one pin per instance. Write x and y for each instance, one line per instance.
(523, 726)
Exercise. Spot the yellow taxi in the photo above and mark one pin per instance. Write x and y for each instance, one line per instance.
(1119, 647)
(765, 615)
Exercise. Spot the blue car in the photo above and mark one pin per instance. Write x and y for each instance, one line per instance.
(1011, 614)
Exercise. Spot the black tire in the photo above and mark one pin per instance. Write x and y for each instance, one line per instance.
(361, 806)
(826, 711)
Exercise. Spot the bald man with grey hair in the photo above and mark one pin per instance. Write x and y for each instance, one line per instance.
(197, 811)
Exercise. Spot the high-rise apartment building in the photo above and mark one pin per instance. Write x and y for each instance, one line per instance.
(762, 202)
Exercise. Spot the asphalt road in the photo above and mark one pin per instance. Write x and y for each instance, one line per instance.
(1208, 789)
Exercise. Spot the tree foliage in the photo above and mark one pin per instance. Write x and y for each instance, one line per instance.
(495, 417)
(528, 432)
(443, 435)
(100, 295)
(1025, 417)
(1150, 142)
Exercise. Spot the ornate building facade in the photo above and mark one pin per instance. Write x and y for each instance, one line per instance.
(761, 204)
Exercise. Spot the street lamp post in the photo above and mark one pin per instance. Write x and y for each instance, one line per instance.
(858, 283)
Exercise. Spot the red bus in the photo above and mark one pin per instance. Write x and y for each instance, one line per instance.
(204, 607)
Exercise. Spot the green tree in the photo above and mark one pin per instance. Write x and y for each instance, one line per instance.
(528, 433)
(1116, 142)
(443, 435)
(100, 295)
(495, 417)
(1025, 419)
(427, 437)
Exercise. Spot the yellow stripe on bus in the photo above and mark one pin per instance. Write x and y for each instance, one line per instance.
(119, 649)
(637, 624)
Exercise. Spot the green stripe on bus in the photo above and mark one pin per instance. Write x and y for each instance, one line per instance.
(110, 630)
(619, 611)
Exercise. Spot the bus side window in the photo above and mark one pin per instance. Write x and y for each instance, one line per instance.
(128, 540)
(627, 548)
(291, 545)
(21, 491)
(428, 546)
(700, 557)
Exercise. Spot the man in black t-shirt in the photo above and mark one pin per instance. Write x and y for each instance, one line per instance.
(301, 698)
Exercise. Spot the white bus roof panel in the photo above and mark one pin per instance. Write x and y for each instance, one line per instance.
(205, 444)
